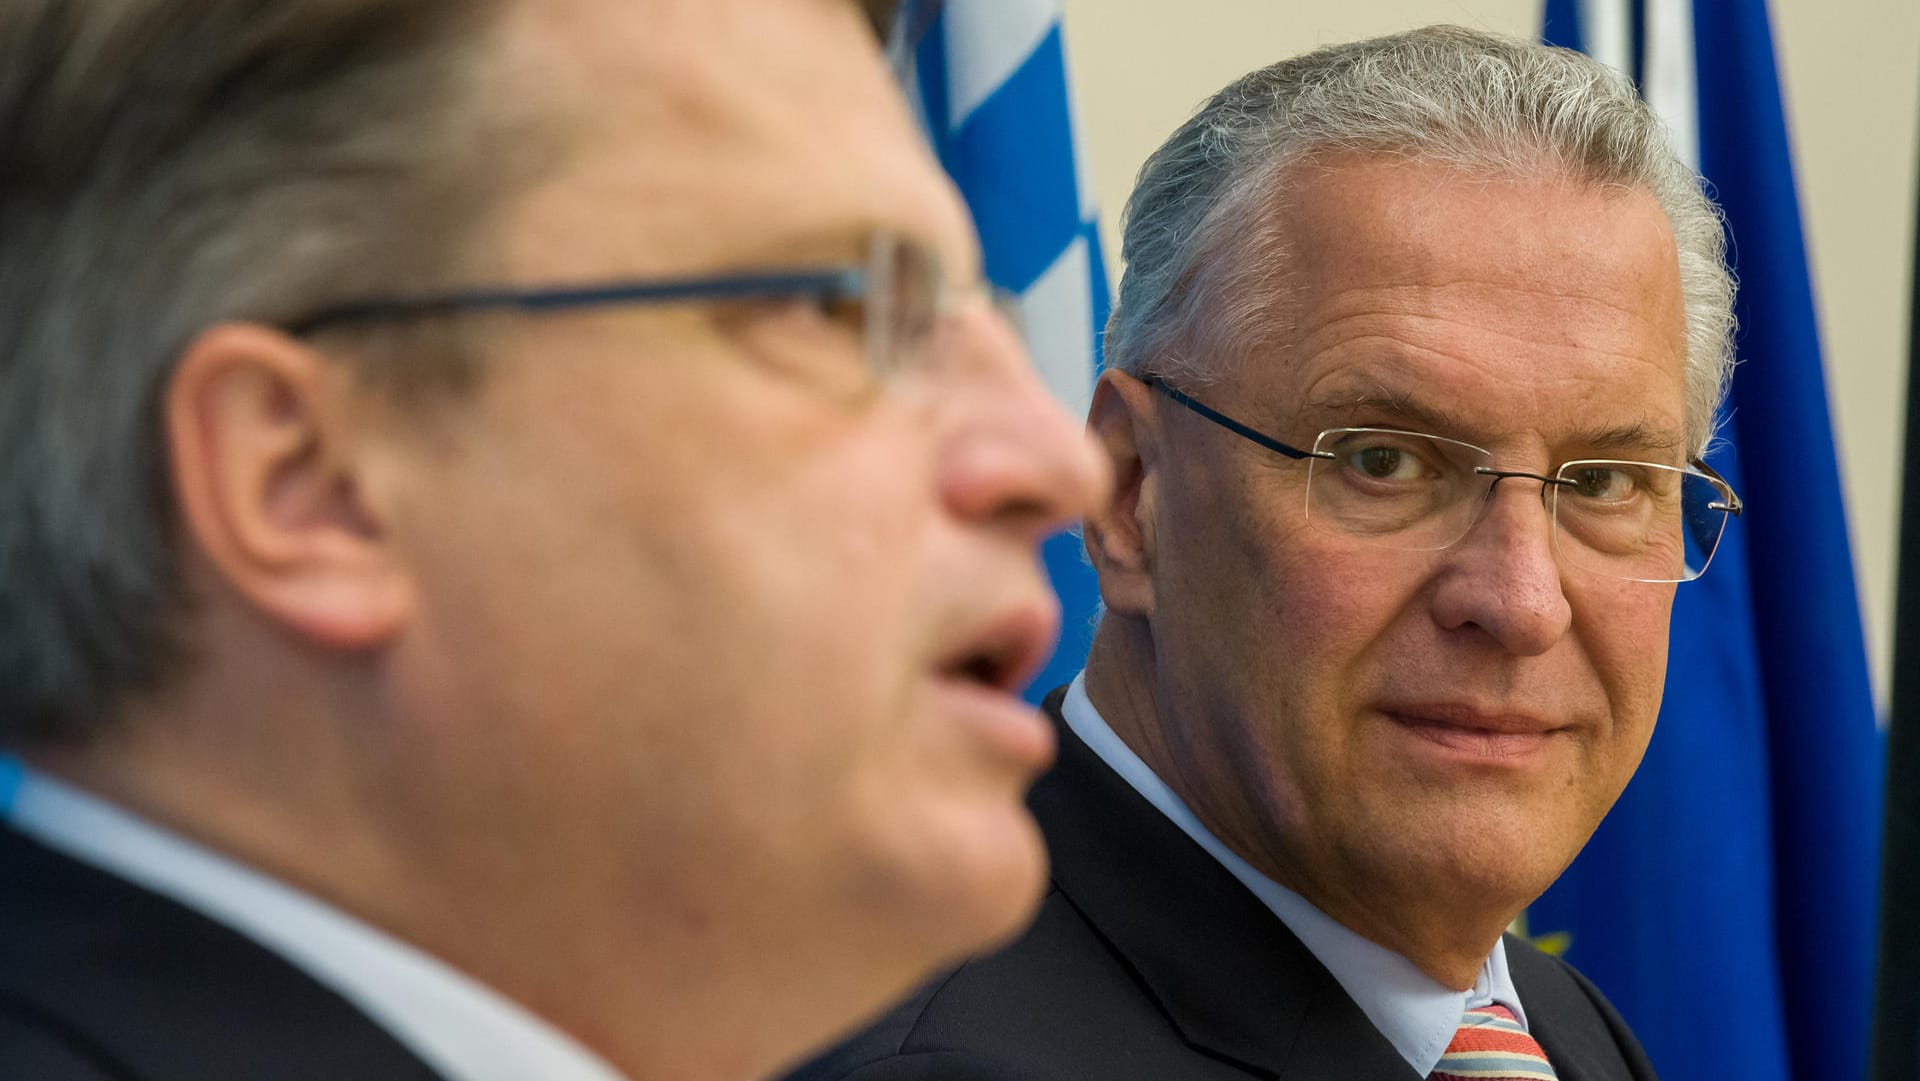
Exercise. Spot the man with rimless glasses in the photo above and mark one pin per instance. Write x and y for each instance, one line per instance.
(1636, 520)
(517, 542)
(1415, 361)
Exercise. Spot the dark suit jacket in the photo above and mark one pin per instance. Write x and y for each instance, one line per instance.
(101, 980)
(1150, 961)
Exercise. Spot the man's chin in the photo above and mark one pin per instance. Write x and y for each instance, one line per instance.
(972, 883)
(1474, 850)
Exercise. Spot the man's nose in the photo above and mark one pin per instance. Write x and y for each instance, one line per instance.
(1017, 457)
(1504, 577)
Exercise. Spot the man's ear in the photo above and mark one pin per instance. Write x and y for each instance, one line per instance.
(1119, 536)
(264, 464)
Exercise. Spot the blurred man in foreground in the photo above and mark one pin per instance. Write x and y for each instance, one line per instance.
(1417, 352)
(516, 541)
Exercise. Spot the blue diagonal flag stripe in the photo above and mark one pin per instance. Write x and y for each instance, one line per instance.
(1014, 157)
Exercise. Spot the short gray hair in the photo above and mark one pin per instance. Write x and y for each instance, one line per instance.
(170, 164)
(1201, 265)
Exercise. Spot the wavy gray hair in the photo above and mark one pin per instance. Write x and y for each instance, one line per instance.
(1203, 267)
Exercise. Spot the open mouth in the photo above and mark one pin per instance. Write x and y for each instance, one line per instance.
(995, 670)
(1006, 653)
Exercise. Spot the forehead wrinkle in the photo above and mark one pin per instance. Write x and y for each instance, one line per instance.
(1398, 309)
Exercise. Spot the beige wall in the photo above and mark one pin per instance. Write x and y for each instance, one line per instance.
(1852, 74)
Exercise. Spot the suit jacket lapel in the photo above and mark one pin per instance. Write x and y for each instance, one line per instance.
(1224, 969)
(1564, 1019)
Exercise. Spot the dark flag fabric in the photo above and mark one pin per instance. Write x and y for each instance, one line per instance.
(1727, 903)
(991, 78)
(1896, 1045)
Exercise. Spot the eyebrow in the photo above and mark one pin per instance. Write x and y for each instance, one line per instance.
(1636, 437)
(816, 245)
(1403, 408)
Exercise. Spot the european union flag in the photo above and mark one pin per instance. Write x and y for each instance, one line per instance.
(992, 82)
(1727, 903)
(9, 780)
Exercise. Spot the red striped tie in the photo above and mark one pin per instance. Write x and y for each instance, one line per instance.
(1491, 1046)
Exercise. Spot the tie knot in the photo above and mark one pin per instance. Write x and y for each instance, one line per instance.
(1491, 1045)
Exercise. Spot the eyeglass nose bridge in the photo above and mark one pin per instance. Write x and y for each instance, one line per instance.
(1499, 475)
(1495, 476)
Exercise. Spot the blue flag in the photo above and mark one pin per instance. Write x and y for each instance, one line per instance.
(1727, 904)
(992, 83)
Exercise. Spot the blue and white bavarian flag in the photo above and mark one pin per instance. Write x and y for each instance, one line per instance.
(992, 83)
(1727, 904)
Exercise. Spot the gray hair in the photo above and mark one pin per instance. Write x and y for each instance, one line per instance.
(170, 164)
(1201, 267)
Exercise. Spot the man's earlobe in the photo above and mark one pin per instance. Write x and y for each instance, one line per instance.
(262, 460)
(1119, 536)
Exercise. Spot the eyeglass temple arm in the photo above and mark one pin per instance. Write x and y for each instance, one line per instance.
(1734, 504)
(825, 281)
(1231, 424)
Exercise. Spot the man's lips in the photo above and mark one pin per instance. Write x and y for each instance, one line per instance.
(1006, 649)
(1473, 732)
(980, 680)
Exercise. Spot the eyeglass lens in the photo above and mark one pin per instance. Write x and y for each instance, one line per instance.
(903, 302)
(1409, 491)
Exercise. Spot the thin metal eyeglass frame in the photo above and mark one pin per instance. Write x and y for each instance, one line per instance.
(1733, 506)
(893, 318)
(1231, 424)
(827, 284)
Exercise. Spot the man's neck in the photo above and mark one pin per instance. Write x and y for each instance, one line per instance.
(630, 973)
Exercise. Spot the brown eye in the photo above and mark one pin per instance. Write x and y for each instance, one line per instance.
(1603, 483)
(1378, 462)
(846, 312)
(1388, 460)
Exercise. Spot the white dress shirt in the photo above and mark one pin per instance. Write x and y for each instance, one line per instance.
(461, 1028)
(1416, 1014)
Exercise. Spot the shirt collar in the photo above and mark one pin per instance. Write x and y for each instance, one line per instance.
(1416, 1014)
(461, 1028)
